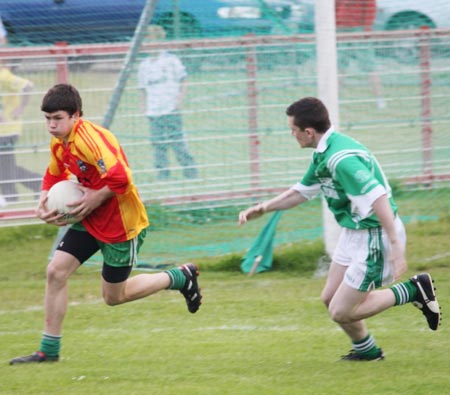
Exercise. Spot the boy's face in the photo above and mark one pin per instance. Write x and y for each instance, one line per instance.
(305, 138)
(60, 123)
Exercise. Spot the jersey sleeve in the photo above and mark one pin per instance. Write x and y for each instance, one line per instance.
(360, 184)
(308, 192)
(309, 187)
(118, 173)
(101, 149)
(55, 171)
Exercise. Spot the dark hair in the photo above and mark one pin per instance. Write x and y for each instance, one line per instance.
(310, 112)
(62, 97)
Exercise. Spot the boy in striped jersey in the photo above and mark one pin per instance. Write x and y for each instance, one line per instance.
(112, 219)
(371, 250)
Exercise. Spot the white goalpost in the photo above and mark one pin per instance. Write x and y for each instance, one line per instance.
(328, 85)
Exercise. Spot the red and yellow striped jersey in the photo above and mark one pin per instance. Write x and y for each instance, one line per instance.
(93, 154)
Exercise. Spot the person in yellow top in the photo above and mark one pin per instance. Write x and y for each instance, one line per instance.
(14, 96)
(111, 215)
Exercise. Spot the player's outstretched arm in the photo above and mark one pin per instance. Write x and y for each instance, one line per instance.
(283, 201)
(251, 213)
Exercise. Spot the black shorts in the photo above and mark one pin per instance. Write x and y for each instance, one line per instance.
(82, 245)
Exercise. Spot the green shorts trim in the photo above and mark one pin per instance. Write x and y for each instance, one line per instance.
(120, 254)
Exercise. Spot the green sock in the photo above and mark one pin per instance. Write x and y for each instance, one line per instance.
(404, 292)
(50, 345)
(177, 278)
(366, 346)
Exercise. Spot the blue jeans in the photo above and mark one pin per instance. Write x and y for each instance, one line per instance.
(167, 132)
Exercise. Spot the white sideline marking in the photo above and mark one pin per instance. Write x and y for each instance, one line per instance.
(438, 256)
(224, 328)
(248, 328)
(32, 309)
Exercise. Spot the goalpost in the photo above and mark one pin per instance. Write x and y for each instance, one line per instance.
(327, 81)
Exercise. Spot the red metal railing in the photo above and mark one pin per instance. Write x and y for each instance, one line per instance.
(62, 52)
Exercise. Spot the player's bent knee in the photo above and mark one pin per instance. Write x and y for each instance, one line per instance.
(114, 294)
(339, 316)
(55, 274)
(111, 300)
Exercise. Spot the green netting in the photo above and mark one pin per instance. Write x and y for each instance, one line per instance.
(218, 124)
(236, 129)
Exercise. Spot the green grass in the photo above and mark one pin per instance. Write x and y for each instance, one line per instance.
(266, 334)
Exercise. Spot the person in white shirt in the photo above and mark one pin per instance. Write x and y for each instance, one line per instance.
(162, 79)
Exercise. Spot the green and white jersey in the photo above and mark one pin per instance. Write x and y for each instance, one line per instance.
(350, 179)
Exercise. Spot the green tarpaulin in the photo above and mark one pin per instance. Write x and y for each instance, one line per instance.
(259, 256)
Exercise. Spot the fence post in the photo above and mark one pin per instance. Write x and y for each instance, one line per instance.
(62, 69)
(425, 94)
(252, 99)
(138, 38)
(328, 90)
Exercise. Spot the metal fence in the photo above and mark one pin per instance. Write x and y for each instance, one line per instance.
(234, 121)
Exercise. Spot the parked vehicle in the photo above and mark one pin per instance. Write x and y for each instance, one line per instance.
(81, 21)
(412, 14)
(393, 15)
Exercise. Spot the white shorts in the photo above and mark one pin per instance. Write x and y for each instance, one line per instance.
(366, 253)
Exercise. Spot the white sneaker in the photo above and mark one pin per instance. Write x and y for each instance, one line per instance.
(426, 299)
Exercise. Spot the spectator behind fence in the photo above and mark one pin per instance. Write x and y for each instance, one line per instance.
(359, 16)
(162, 79)
(14, 96)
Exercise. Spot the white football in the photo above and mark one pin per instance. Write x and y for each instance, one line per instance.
(60, 195)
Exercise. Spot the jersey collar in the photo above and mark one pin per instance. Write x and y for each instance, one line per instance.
(74, 130)
(323, 143)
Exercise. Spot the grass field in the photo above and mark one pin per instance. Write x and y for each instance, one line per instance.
(267, 334)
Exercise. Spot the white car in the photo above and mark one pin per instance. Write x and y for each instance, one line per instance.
(412, 14)
(394, 15)
(391, 14)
